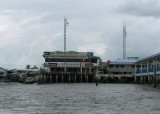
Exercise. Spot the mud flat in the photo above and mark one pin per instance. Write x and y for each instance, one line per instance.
(17, 98)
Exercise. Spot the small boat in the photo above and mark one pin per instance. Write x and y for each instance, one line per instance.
(29, 80)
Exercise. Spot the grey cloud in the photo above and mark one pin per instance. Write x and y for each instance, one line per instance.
(146, 8)
(36, 26)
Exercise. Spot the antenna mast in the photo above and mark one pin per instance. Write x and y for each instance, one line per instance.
(65, 25)
(124, 42)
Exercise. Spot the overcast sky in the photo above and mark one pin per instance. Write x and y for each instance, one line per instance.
(30, 27)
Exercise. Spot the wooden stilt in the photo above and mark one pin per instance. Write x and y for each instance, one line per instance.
(154, 73)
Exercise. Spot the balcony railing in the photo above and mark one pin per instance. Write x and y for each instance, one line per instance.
(145, 70)
(120, 69)
(65, 72)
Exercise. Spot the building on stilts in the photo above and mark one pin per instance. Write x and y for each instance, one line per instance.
(147, 70)
(69, 67)
(119, 71)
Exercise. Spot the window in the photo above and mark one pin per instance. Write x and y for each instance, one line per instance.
(94, 60)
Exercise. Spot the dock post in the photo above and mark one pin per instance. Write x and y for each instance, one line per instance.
(93, 78)
(81, 78)
(141, 79)
(44, 78)
(62, 78)
(154, 73)
(56, 79)
(40, 78)
(90, 70)
(75, 78)
(69, 78)
(157, 80)
(149, 80)
(50, 78)
(87, 78)
(85, 75)
(135, 79)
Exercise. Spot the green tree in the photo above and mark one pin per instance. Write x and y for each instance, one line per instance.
(28, 66)
(35, 67)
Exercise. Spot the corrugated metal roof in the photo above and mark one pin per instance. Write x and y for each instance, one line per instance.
(123, 61)
(148, 57)
(130, 61)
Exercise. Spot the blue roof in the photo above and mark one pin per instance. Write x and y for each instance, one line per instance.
(149, 57)
(130, 61)
(123, 61)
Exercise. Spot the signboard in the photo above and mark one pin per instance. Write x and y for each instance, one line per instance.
(52, 64)
(68, 64)
(46, 53)
(70, 53)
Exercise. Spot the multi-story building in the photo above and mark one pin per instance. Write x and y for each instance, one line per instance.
(69, 67)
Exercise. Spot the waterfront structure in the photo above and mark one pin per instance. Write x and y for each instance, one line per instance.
(3, 72)
(119, 71)
(67, 67)
(4, 75)
(148, 70)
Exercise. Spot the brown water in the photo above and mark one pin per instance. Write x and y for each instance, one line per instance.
(17, 98)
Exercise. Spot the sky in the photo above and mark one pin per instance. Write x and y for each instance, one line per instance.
(30, 27)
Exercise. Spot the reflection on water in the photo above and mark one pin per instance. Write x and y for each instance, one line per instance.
(78, 99)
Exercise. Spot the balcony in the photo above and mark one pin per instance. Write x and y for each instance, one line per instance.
(145, 70)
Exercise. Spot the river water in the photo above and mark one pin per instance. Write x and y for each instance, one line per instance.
(17, 98)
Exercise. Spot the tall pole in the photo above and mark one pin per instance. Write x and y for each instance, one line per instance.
(65, 25)
(124, 41)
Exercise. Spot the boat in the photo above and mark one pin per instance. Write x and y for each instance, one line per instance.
(30, 80)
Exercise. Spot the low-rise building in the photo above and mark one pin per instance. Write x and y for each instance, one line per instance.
(119, 71)
(4, 75)
(3, 72)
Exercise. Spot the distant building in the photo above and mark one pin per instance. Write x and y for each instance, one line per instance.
(69, 67)
(4, 75)
(3, 72)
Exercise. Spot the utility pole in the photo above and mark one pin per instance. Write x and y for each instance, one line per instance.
(124, 42)
(65, 25)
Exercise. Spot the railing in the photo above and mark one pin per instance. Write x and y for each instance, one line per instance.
(138, 71)
(121, 69)
(150, 70)
(63, 72)
(145, 70)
